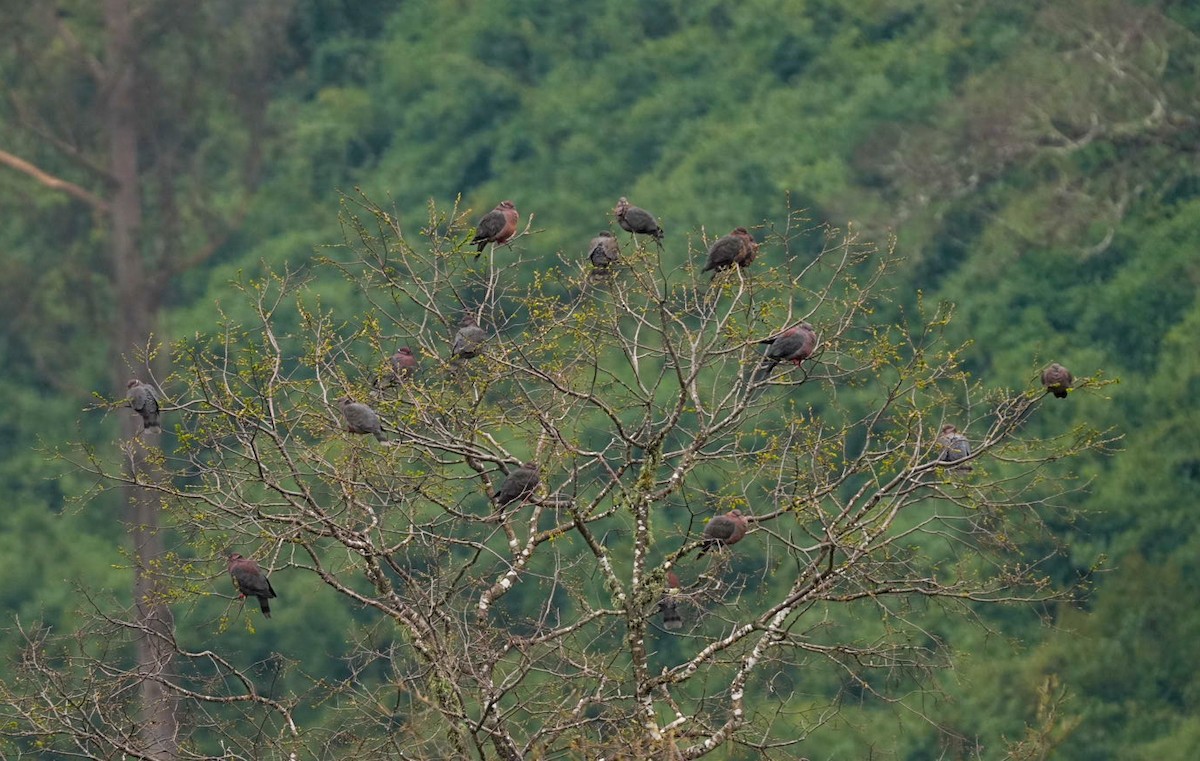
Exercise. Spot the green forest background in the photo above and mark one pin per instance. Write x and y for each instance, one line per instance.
(1035, 163)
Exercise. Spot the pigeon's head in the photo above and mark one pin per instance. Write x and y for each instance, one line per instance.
(234, 555)
(949, 428)
(132, 382)
(346, 401)
(467, 320)
(622, 206)
(741, 232)
(506, 205)
(604, 234)
(404, 351)
(735, 513)
(531, 465)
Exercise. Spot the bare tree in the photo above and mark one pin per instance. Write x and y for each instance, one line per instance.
(532, 631)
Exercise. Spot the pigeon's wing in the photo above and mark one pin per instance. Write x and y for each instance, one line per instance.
(489, 226)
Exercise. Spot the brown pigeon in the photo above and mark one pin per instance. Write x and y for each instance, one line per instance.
(468, 341)
(1057, 380)
(519, 485)
(497, 226)
(635, 220)
(251, 581)
(669, 605)
(724, 530)
(404, 363)
(795, 345)
(955, 447)
(738, 247)
(603, 250)
(361, 419)
(144, 401)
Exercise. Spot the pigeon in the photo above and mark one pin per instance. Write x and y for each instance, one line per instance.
(795, 345)
(669, 606)
(724, 530)
(361, 419)
(404, 363)
(738, 247)
(468, 341)
(1057, 380)
(603, 250)
(497, 226)
(251, 581)
(519, 485)
(144, 401)
(635, 220)
(955, 447)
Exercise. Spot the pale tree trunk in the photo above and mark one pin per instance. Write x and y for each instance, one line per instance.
(135, 305)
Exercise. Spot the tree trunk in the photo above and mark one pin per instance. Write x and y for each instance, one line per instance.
(133, 327)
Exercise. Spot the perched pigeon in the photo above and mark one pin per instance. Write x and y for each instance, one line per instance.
(795, 345)
(519, 485)
(468, 341)
(251, 581)
(635, 220)
(1057, 380)
(738, 247)
(497, 226)
(955, 447)
(361, 419)
(669, 606)
(603, 250)
(724, 530)
(404, 363)
(144, 401)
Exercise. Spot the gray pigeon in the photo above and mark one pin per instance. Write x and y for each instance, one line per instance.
(738, 247)
(251, 581)
(518, 486)
(468, 341)
(795, 345)
(1057, 380)
(669, 605)
(955, 447)
(635, 220)
(361, 419)
(724, 530)
(603, 250)
(144, 401)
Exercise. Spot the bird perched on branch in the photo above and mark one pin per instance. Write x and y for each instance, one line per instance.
(519, 485)
(603, 250)
(738, 247)
(723, 531)
(668, 606)
(497, 226)
(1057, 380)
(955, 447)
(794, 345)
(404, 364)
(251, 581)
(468, 341)
(361, 419)
(635, 220)
(144, 400)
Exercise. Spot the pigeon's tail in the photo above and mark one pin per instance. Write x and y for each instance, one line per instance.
(755, 380)
(1060, 393)
(265, 606)
(671, 620)
(151, 421)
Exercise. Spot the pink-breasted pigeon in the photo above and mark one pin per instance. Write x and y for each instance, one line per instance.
(251, 581)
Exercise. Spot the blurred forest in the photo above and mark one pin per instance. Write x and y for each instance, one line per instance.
(1035, 164)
